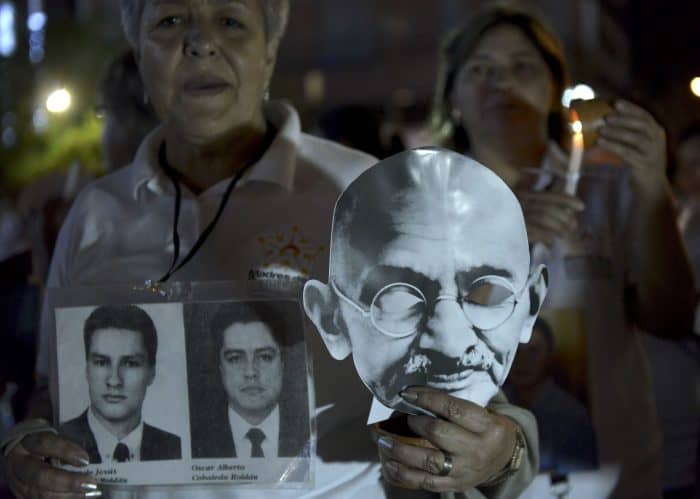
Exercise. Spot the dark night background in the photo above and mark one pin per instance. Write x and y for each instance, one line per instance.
(378, 53)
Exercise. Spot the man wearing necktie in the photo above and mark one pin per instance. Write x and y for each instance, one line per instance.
(256, 422)
(120, 352)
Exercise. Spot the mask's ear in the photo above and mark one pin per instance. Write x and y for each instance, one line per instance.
(537, 289)
(321, 305)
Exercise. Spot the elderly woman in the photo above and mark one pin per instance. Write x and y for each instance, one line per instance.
(231, 168)
(615, 257)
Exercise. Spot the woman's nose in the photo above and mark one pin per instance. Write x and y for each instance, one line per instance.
(500, 77)
(200, 41)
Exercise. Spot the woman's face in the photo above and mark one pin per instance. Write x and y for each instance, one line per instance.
(205, 65)
(504, 85)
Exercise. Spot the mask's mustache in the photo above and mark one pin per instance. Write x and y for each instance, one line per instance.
(418, 366)
(473, 358)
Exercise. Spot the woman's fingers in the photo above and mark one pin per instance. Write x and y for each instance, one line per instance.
(31, 475)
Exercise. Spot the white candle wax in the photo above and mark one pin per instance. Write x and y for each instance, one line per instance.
(575, 159)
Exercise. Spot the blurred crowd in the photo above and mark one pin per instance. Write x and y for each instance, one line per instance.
(612, 372)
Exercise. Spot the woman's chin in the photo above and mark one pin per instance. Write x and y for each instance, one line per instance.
(201, 133)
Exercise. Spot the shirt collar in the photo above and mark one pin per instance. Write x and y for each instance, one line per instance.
(106, 441)
(270, 427)
(277, 165)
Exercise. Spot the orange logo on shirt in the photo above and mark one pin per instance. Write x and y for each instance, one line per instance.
(291, 252)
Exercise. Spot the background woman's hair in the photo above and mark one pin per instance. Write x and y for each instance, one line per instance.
(459, 45)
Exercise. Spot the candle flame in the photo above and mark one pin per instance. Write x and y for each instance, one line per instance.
(575, 124)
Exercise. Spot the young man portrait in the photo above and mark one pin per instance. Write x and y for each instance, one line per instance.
(120, 353)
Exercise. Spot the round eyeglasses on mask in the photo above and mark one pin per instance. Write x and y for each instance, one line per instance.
(398, 309)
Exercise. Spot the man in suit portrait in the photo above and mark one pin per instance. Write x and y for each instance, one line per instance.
(120, 353)
(259, 417)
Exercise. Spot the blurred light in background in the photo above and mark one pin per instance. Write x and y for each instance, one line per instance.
(579, 92)
(695, 86)
(40, 120)
(59, 101)
(36, 22)
(8, 38)
(36, 46)
(9, 137)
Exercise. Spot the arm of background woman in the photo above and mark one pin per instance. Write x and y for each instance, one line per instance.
(664, 298)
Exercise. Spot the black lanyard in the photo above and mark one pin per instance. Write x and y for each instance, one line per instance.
(175, 177)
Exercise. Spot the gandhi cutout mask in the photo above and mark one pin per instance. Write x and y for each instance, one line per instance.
(429, 279)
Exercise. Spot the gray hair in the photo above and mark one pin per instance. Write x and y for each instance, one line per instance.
(276, 13)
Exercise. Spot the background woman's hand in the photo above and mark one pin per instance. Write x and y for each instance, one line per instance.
(31, 476)
(549, 215)
(633, 134)
(479, 443)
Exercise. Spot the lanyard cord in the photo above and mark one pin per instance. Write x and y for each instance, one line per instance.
(175, 177)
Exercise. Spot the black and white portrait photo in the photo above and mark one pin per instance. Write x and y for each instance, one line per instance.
(429, 278)
(122, 388)
(247, 368)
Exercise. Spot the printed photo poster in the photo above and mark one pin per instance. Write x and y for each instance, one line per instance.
(187, 393)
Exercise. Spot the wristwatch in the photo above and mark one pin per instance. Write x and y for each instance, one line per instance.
(513, 465)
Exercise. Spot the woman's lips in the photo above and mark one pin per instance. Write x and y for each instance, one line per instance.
(205, 85)
(206, 90)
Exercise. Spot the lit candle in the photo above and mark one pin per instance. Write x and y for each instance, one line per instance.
(574, 171)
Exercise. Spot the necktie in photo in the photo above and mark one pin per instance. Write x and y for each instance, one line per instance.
(256, 437)
(121, 453)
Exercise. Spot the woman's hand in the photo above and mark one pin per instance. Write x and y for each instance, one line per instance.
(478, 442)
(31, 476)
(549, 215)
(634, 135)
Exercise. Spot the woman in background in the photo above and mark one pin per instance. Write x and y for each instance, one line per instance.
(615, 256)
